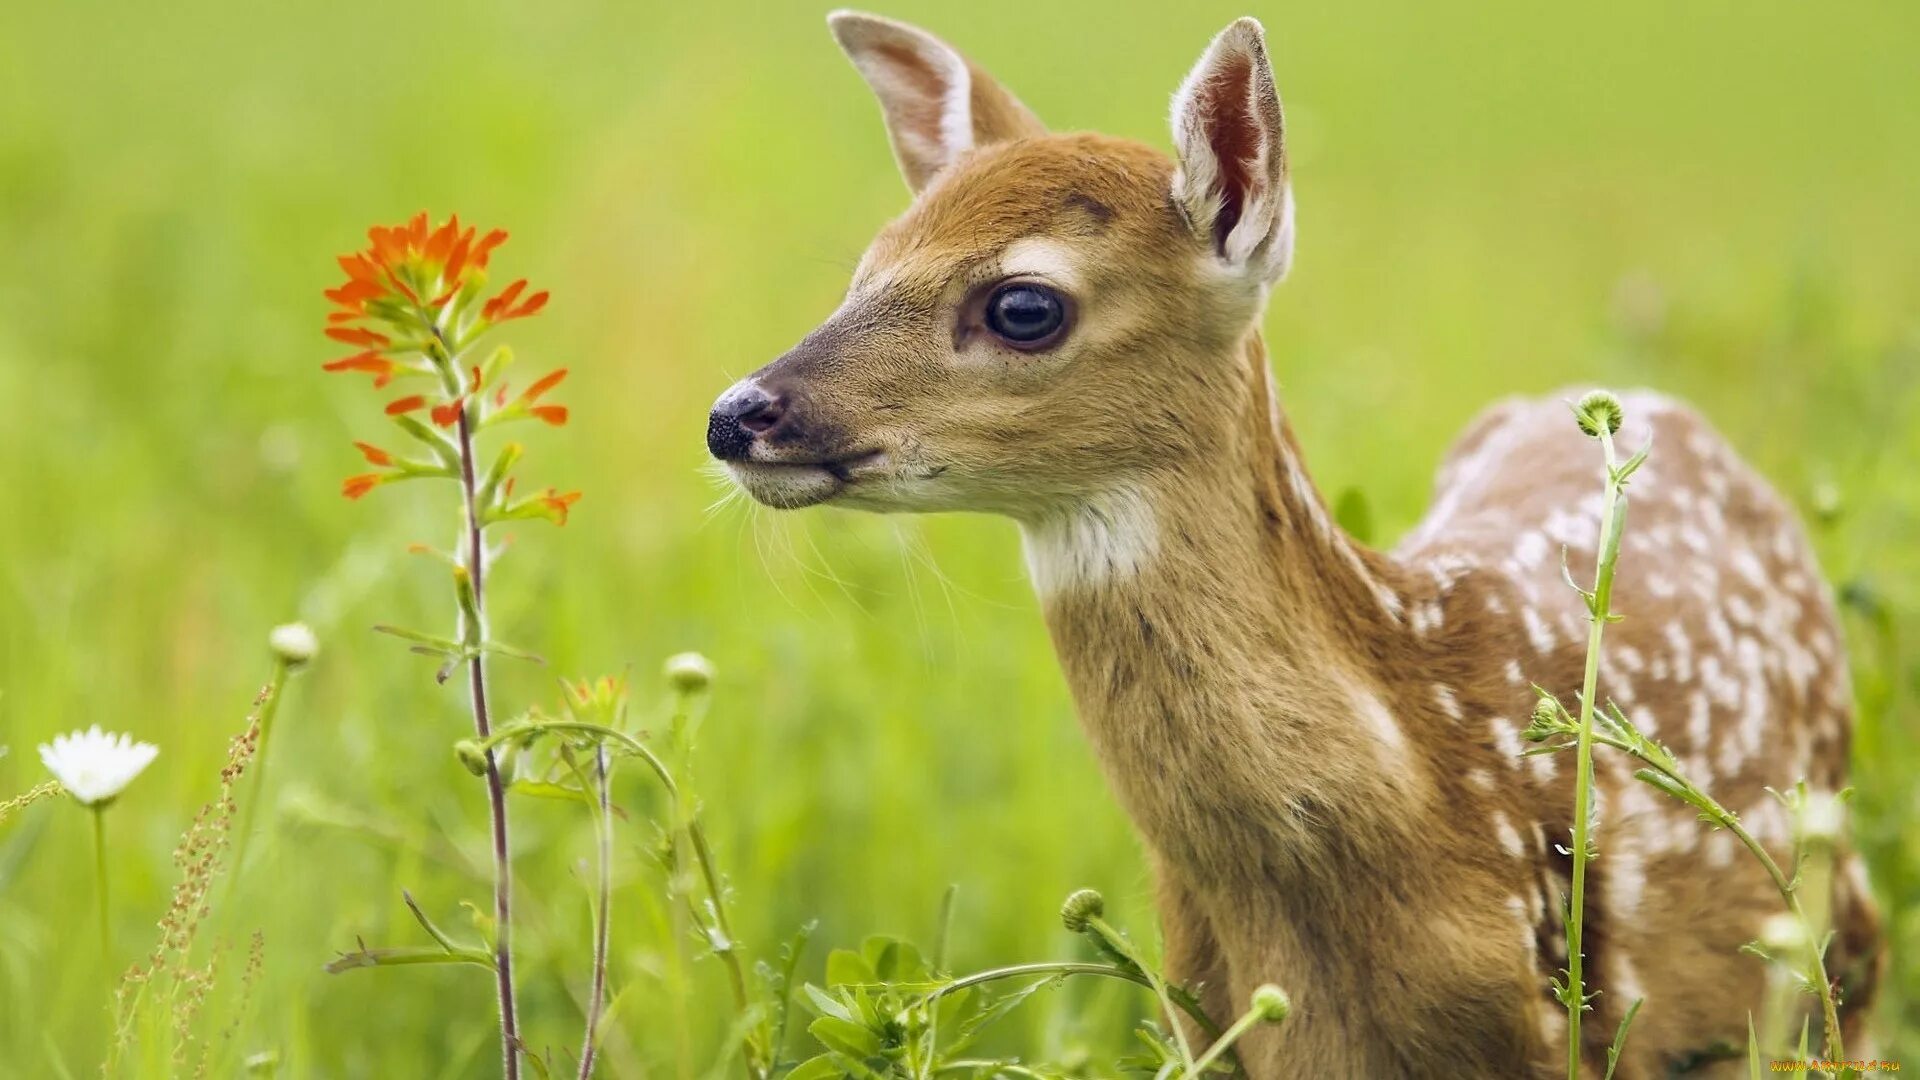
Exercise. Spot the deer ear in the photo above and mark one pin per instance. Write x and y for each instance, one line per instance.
(1233, 157)
(937, 105)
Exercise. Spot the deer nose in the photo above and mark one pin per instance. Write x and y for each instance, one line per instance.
(742, 414)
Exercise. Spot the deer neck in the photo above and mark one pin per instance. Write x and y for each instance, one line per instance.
(1222, 638)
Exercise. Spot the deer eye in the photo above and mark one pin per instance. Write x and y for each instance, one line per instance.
(1026, 315)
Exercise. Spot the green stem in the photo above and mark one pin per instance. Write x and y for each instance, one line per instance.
(690, 825)
(1225, 1042)
(100, 868)
(1069, 967)
(603, 849)
(1583, 765)
(1726, 819)
(1125, 948)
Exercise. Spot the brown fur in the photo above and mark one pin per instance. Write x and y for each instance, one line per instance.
(1320, 742)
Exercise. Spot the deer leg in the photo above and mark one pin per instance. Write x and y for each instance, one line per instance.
(1193, 957)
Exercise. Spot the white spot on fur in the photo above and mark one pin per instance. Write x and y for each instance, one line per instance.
(1508, 836)
(1515, 676)
(1538, 632)
(1373, 713)
(1626, 881)
(1104, 539)
(1037, 257)
(1506, 739)
(1443, 696)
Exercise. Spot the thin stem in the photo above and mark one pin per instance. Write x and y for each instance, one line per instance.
(1726, 819)
(1583, 767)
(1121, 945)
(269, 705)
(496, 790)
(1069, 967)
(100, 868)
(1225, 1042)
(603, 835)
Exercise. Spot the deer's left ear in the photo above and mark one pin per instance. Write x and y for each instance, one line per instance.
(938, 106)
(1228, 130)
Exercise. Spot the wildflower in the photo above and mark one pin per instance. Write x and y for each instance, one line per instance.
(293, 643)
(689, 672)
(412, 307)
(1081, 907)
(94, 766)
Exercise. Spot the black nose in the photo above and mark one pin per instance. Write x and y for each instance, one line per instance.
(741, 414)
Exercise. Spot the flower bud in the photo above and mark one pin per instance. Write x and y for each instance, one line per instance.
(1822, 818)
(1271, 1003)
(1597, 409)
(293, 643)
(689, 672)
(1081, 906)
(471, 756)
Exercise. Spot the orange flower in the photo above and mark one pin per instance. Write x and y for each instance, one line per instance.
(355, 486)
(381, 368)
(378, 308)
(358, 335)
(559, 503)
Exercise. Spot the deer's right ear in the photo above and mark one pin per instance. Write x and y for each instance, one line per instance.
(937, 105)
(1233, 156)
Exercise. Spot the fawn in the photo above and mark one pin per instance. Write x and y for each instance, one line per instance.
(1319, 742)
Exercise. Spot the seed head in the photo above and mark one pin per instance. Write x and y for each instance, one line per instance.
(1082, 905)
(471, 756)
(293, 643)
(1597, 409)
(689, 672)
(1271, 1003)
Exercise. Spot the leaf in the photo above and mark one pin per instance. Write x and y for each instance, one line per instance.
(512, 653)
(816, 1068)
(1753, 1051)
(543, 789)
(405, 955)
(848, 968)
(825, 1004)
(845, 1036)
(1620, 1036)
(437, 644)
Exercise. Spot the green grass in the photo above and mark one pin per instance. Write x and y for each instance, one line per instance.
(1714, 199)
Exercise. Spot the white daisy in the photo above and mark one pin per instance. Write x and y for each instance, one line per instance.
(93, 765)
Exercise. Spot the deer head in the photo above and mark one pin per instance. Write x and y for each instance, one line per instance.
(1055, 318)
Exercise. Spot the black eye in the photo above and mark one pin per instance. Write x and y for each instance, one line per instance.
(1026, 315)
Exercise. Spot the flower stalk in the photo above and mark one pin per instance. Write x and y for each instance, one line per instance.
(1599, 415)
(412, 305)
(475, 634)
(100, 879)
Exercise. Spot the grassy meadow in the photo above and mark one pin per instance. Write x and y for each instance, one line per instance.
(1715, 199)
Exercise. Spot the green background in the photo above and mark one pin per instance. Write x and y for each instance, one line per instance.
(1714, 198)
